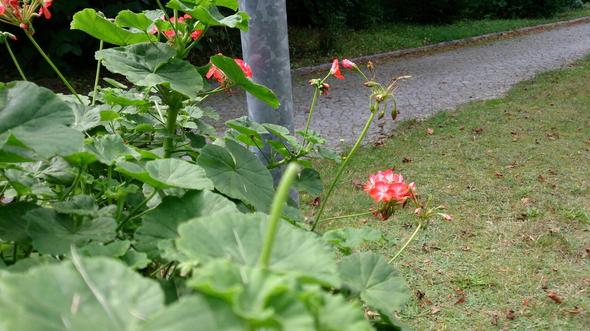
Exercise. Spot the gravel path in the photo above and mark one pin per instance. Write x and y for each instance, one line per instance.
(441, 81)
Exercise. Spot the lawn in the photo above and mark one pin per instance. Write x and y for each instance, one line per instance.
(515, 174)
(306, 50)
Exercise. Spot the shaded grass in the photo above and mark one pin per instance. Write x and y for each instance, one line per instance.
(306, 50)
(515, 174)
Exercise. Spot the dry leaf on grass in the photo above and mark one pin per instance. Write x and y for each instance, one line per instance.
(555, 297)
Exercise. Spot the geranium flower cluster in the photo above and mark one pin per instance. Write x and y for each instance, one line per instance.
(335, 71)
(390, 191)
(21, 12)
(215, 72)
(183, 26)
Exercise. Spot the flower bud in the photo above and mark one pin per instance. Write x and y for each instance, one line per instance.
(346, 63)
(394, 113)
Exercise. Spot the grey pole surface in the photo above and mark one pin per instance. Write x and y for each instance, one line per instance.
(266, 49)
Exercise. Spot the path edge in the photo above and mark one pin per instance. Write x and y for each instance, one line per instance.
(446, 45)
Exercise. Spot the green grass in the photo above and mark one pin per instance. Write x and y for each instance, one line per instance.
(515, 174)
(306, 50)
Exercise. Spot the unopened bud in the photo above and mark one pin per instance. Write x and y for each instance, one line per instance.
(394, 113)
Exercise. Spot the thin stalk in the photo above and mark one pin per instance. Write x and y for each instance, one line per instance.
(75, 183)
(342, 167)
(16, 64)
(172, 114)
(311, 108)
(97, 76)
(406, 244)
(275, 215)
(52, 65)
(138, 207)
(346, 216)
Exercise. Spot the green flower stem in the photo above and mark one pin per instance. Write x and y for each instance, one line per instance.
(346, 216)
(276, 210)
(343, 166)
(406, 244)
(16, 64)
(132, 214)
(311, 108)
(171, 116)
(52, 65)
(97, 76)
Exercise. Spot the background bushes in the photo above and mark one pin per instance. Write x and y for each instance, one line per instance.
(364, 13)
(74, 49)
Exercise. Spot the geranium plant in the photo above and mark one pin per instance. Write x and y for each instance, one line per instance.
(124, 210)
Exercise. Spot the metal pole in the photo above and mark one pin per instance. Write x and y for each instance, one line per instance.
(266, 50)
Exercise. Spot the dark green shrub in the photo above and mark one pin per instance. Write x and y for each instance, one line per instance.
(425, 11)
(518, 8)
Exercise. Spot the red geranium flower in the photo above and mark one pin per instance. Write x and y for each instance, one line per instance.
(245, 67)
(196, 34)
(44, 10)
(169, 33)
(346, 63)
(335, 70)
(387, 186)
(215, 72)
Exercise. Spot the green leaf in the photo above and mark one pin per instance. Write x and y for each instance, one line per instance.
(249, 131)
(237, 173)
(239, 237)
(117, 248)
(152, 64)
(128, 19)
(136, 260)
(347, 239)
(30, 262)
(336, 314)
(179, 173)
(262, 297)
(97, 294)
(166, 173)
(209, 14)
(195, 313)
(377, 283)
(13, 225)
(53, 233)
(161, 223)
(36, 118)
(233, 71)
(309, 181)
(110, 148)
(89, 21)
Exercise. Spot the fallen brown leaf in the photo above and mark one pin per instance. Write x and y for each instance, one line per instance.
(555, 297)
(510, 314)
(575, 311)
(494, 319)
(357, 183)
(434, 310)
(460, 300)
(430, 131)
(478, 130)
(499, 175)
